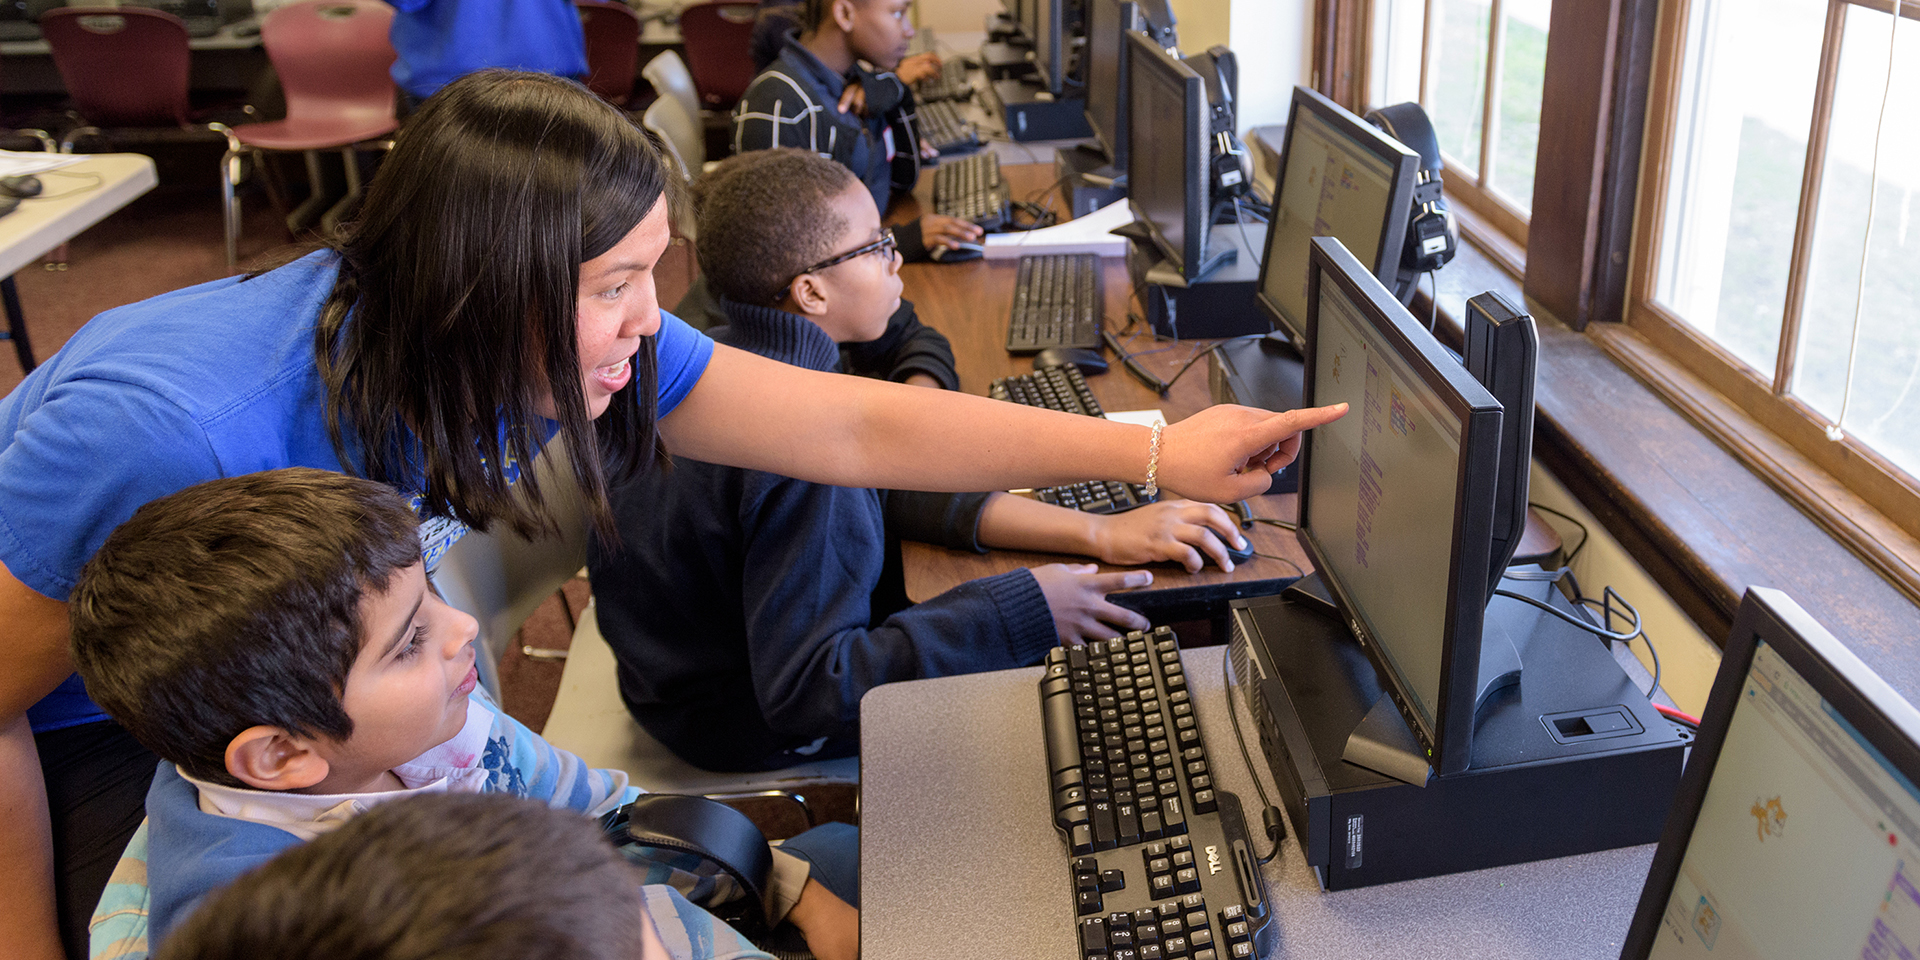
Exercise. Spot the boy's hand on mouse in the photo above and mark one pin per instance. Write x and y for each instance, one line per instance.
(1182, 531)
(1077, 597)
(830, 924)
(940, 230)
(918, 67)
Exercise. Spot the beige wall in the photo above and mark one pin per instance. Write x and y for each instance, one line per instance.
(1270, 37)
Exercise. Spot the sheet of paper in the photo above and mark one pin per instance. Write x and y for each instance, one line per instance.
(17, 163)
(1144, 418)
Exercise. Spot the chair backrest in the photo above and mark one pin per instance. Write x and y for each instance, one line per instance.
(124, 67)
(333, 58)
(719, 41)
(500, 577)
(613, 48)
(669, 77)
(667, 120)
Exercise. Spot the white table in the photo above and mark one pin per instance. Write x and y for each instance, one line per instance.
(71, 202)
(959, 857)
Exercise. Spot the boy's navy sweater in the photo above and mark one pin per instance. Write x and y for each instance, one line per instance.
(749, 611)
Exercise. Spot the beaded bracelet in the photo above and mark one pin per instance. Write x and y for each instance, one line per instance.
(1153, 460)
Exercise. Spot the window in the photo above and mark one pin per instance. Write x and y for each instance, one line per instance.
(1477, 66)
(1777, 246)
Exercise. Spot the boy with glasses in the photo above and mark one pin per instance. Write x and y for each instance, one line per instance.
(750, 611)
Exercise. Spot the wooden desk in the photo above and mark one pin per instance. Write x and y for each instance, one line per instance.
(72, 203)
(969, 302)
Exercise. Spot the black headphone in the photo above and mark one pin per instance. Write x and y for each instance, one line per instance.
(1226, 157)
(1432, 235)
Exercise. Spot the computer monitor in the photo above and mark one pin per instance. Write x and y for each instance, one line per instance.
(1167, 154)
(1043, 22)
(1108, 23)
(1396, 498)
(1798, 814)
(1339, 177)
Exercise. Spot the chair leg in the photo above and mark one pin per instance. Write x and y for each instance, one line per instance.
(230, 206)
(330, 223)
(316, 200)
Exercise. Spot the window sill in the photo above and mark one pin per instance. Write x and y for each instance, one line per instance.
(1703, 523)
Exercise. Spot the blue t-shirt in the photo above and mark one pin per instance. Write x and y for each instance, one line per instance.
(210, 381)
(438, 41)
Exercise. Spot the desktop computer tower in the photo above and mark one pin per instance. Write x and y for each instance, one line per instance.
(1031, 113)
(1571, 760)
(1220, 304)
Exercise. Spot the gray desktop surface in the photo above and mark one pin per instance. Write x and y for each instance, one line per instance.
(959, 857)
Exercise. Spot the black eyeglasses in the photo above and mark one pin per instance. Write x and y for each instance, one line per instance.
(886, 247)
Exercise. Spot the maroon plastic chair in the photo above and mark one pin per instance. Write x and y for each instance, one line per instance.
(124, 69)
(719, 42)
(333, 58)
(613, 48)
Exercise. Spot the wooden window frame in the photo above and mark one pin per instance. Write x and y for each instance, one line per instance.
(1864, 499)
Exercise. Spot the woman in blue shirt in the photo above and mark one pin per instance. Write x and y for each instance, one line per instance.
(496, 292)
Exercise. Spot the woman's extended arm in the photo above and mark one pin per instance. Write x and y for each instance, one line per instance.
(35, 661)
(748, 411)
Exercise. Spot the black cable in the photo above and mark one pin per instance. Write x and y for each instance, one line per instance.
(1187, 366)
(1282, 524)
(96, 179)
(1585, 534)
(1570, 618)
(1297, 569)
(1226, 683)
(1133, 366)
(1433, 304)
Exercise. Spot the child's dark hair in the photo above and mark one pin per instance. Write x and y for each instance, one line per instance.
(765, 216)
(432, 877)
(236, 603)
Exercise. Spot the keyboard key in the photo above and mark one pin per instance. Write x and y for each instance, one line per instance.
(1088, 901)
(1111, 880)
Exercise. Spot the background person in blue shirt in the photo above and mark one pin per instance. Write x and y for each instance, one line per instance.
(496, 292)
(438, 41)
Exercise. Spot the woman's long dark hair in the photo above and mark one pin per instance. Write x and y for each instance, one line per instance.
(454, 312)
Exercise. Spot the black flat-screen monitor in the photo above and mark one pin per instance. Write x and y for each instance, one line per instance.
(1108, 23)
(1339, 177)
(1167, 153)
(1042, 20)
(1396, 498)
(1798, 814)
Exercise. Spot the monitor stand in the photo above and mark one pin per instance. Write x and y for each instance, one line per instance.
(1568, 758)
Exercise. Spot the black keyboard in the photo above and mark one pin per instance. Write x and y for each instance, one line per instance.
(1161, 863)
(942, 126)
(1064, 389)
(971, 188)
(1056, 303)
(951, 84)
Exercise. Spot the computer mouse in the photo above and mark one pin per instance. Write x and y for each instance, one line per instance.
(7, 203)
(246, 28)
(957, 252)
(1238, 555)
(1090, 362)
(20, 186)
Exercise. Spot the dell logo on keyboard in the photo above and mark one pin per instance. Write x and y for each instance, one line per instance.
(1213, 859)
